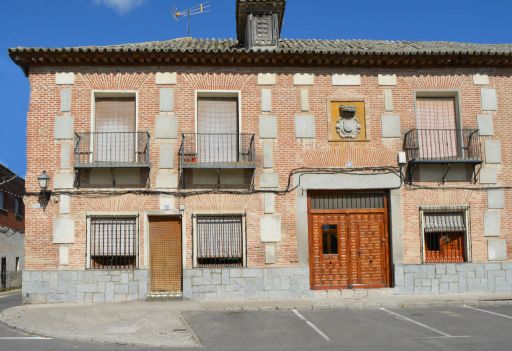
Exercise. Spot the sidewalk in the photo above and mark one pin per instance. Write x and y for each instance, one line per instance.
(160, 324)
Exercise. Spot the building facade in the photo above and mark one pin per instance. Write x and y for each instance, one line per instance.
(12, 228)
(267, 168)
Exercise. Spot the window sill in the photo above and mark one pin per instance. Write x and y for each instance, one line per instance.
(3, 211)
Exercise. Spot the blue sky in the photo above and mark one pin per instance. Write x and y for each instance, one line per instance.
(56, 23)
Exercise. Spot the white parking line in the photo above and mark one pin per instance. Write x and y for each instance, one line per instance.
(24, 338)
(490, 312)
(402, 317)
(314, 327)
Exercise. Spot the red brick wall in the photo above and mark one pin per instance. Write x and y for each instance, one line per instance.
(11, 189)
(289, 153)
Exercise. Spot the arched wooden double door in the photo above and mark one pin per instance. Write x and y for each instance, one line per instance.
(348, 240)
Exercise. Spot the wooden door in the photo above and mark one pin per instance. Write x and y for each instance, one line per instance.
(330, 257)
(368, 250)
(349, 247)
(165, 254)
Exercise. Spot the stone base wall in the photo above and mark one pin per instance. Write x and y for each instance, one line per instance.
(84, 286)
(13, 280)
(246, 283)
(453, 278)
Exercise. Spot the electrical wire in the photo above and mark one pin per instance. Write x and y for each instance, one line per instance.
(302, 171)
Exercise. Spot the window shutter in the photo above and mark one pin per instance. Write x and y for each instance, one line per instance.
(217, 125)
(114, 125)
(438, 127)
(219, 240)
(445, 222)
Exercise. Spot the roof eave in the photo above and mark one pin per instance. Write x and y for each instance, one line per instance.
(26, 58)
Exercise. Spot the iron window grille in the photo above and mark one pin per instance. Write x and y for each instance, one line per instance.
(18, 207)
(113, 242)
(220, 241)
(445, 235)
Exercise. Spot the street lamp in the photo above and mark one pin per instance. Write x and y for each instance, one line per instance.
(44, 181)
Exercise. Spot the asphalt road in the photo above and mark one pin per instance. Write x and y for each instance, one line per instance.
(436, 328)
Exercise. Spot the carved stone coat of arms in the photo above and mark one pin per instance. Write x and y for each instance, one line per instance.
(348, 125)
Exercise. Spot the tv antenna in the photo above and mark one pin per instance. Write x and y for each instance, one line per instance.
(191, 11)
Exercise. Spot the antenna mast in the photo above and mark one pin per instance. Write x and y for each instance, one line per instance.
(191, 11)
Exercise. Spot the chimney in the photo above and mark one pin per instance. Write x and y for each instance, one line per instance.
(258, 23)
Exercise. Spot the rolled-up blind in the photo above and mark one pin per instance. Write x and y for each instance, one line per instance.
(445, 222)
(217, 127)
(114, 124)
(437, 114)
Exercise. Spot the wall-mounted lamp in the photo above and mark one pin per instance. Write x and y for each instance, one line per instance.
(44, 181)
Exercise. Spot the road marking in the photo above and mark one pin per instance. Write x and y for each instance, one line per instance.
(24, 338)
(299, 315)
(490, 312)
(399, 316)
(314, 327)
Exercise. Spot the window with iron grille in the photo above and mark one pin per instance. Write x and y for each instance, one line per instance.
(113, 242)
(445, 235)
(18, 207)
(220, 241)
(2, 200)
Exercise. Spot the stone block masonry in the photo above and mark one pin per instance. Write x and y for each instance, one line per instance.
(84, 286)
(453, 278)
(246, 283)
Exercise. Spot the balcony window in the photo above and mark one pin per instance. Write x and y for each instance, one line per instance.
(439, 138)
(114, 141)
(217, 142)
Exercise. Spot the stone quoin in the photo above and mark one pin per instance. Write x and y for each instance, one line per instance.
(216, 169)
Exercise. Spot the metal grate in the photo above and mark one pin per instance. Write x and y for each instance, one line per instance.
(443, 145)
(347, 201)
(220, 241)
(221, 150)
(3, 273)
(113, 242)
(112, 149)
(444, 234)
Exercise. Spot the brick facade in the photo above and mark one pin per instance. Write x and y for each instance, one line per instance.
(12, 228)
(286, 91)
(289, 152)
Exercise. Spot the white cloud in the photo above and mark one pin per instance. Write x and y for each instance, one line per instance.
(120, 6)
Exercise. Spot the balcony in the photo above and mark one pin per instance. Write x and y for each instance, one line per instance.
(112, 149)
(443, 146)
(206, 150)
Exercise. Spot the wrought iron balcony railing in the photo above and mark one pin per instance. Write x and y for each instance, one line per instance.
(111, 149)
(443, 146)
(207, 150)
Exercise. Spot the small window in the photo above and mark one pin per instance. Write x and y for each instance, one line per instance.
(2, 201)
(445, 235)
(18, 207)
(113, 242)
(329, 239)
(220, 241)
(17, 264)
